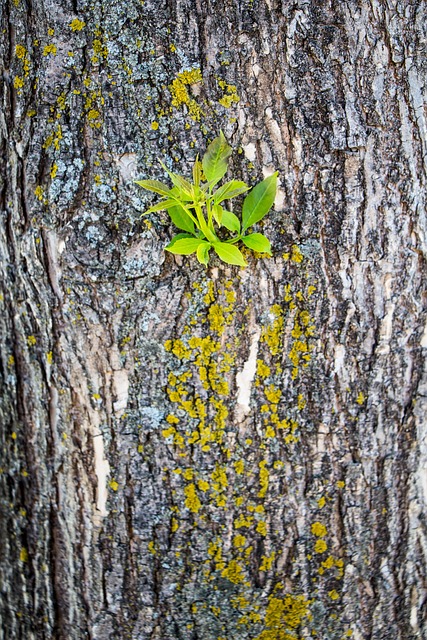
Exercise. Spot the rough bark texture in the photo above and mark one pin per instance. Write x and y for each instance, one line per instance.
(216, 454)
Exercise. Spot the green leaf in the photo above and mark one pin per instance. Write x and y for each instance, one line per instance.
(203, 252)
(163, 205)
(214, 161)
(180, 195)
(217, 212)
(178, 236)
(154, 185)
(229, 253)
(184, 245)
(259, 201)
(230, 190)
(181, 183)
(180, 218)
(197, 171)
(230, 221)
(257, 242)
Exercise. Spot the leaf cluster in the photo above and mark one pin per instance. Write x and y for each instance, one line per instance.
(198, 209)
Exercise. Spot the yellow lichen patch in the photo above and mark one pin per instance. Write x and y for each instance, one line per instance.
(320, 546)
(282, 616)
(243, 521)
(54, 138)
(272, 334)
(318, 529)
(49, 49)
(239, 602)
(299, 354)
(216, 319)
(99, 50)
(332, 563)
(264, 477)
(239, 541)
(20, 51)
(18, 82)
(360, 398)
(230, 96)
(239, 466)
(113, 485)
(334, 595)
(203, 485)
(93, 116)
(192, 501)
(233, 572)
(267, 562)
(301, 402)
(180, 94)
(31, 341)
(77, 25)
(154, 125)
(262, 370)
(177, 438)
(151, 548)
(295, 255)
(219, 485)
(272, 393)
(23, 555)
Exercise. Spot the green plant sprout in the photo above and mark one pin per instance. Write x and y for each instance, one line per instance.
(196, 208)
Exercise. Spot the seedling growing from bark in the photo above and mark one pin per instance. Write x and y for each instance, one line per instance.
(197, 208)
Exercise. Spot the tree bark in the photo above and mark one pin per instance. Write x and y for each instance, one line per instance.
(221, 453)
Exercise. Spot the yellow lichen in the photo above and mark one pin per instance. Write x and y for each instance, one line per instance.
(360, 398)
(267, 562)
(264, 477)
(77, 25)
(263, 370)
(243, 521)
(203, 485)
(272, 334)
(23, 556)
(320, 546)
(239, 466)
(282, 616)
(192, 501)
(233, 572)
(49, 49)
(180, 94)
(318, 529)
(20, 51)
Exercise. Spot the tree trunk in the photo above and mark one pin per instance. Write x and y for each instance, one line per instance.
(220, 453)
